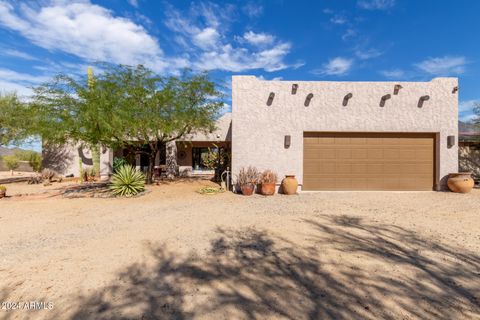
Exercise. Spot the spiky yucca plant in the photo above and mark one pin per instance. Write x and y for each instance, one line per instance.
(127, 181)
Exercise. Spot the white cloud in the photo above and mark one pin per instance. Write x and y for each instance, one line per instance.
(133, 3)
(337, 19)
(17, 54)
(336, 66)
(94, 33)
(206, 38)
(443, 66)
(465, 110)
(467, 106)
(253, 10)
(376, 4)
(365, 54)
(204, 32)
(21, 83)
(350, 33)
(258, 39)
(88, 31)
(393, 74)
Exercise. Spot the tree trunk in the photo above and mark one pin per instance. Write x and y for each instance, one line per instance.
(151, 163)
(171, 159)
(96, 160)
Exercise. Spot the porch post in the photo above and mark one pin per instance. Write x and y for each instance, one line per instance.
(137, 161)
(171, 159)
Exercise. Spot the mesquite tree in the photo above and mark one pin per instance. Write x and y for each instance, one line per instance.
(14, 120)
(126, 107)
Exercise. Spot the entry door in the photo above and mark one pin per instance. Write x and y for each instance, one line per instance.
(368, 161)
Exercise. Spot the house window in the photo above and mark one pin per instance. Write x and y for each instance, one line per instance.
(198, 157)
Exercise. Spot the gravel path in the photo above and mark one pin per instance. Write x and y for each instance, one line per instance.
(176, 254)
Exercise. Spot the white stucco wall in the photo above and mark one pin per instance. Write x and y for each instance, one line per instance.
(258, 130)
(65, 159)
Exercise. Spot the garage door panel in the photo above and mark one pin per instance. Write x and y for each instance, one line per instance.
(368, 161)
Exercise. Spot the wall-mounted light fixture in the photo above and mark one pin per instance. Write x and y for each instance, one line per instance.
(308, 99)
(270, 98)
(346, 98)
(383, 99)
(455, 89)
(294, 88)
(397, 88)
(422, 99)
(450, 141)
(286, 142)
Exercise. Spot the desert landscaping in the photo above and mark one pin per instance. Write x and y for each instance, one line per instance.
(173, 253)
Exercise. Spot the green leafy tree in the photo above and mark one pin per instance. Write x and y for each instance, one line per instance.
(11, 162)
(126, 107)
(35, 161)
(14, 120)
(33, 158)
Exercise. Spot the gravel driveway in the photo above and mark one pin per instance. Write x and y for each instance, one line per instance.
(175, 254)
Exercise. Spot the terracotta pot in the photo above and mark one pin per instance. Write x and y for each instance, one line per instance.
(268, 189)
(460, 182)
(247, 190)
(289, 185)
(2, 193)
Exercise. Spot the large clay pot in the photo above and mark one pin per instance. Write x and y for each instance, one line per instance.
(289, 185)
(461, 182)
(247, 189)
(268, 189)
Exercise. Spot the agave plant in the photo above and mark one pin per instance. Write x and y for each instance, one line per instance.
(127, 181)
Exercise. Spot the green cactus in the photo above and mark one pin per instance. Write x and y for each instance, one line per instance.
(95, 149)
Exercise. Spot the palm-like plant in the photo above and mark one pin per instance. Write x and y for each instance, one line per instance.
(127, 181)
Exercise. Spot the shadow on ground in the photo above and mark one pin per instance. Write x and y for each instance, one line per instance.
(371, 272)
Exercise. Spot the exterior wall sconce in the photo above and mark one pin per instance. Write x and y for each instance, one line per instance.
(294, 88)
(286, 142)
(455, 89)
(421, 100)
(270, 98)
(384, 98)
(346, 98)
(396, 89)
(450, 141)
(308, 99)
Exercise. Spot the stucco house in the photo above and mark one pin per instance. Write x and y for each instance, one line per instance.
(348, 135)
(330, 135)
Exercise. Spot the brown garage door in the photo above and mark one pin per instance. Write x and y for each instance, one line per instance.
(368, 161)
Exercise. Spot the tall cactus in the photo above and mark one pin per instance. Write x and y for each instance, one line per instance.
(95, 149)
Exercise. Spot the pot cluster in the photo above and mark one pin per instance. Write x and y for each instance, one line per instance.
(250, 179)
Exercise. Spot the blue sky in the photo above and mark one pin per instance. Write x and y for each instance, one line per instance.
(302, 40)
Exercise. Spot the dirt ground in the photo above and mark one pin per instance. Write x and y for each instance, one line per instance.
(176, 254)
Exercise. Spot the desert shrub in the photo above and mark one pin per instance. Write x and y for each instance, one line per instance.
(118, 162)
(35, 161)
(89, 174)
(48, 174)
(11, 162)
(268, 176)
(3, 188)
(127, 181)
(247, 176)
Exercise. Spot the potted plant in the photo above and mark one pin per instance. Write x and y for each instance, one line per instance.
(268, 180)
(3, 191)
(247, 179)
(289, 185)
(460, 182)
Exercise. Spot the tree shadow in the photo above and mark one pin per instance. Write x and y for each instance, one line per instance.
(372, 271)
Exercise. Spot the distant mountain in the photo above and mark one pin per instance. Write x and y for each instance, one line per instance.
(468, 128)
(7, 151)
